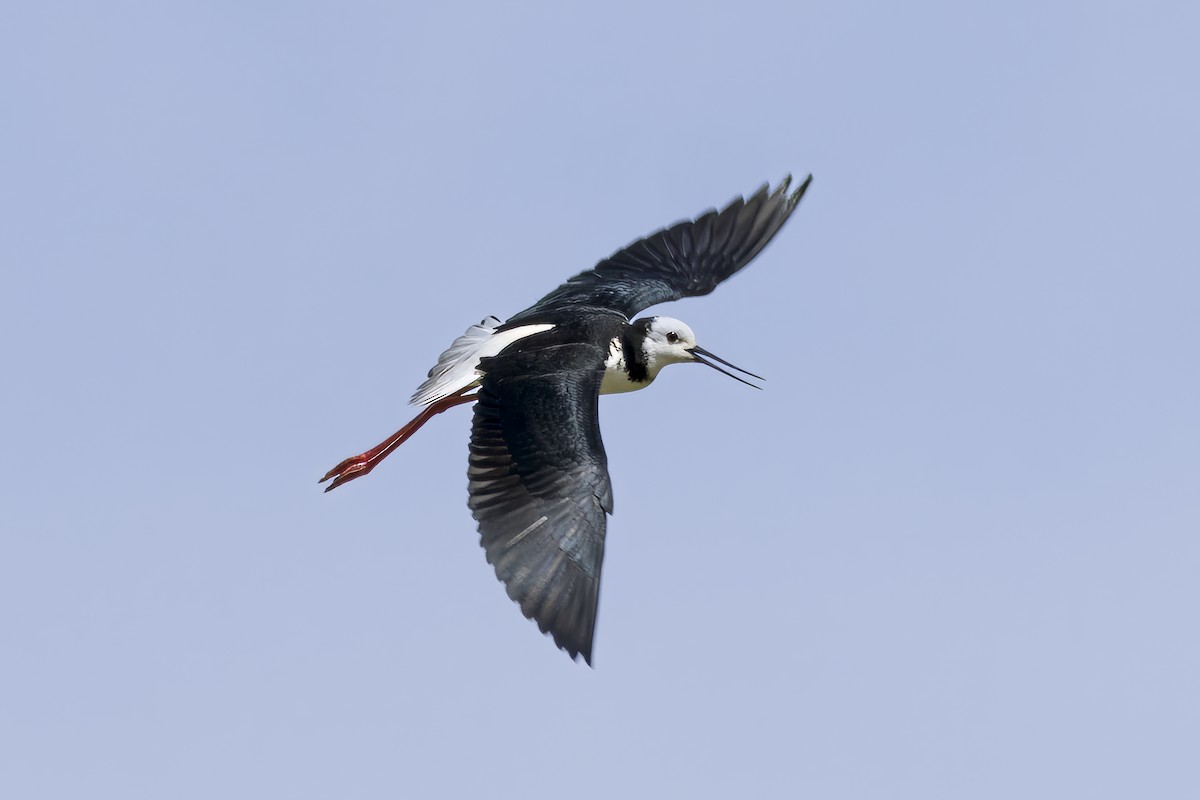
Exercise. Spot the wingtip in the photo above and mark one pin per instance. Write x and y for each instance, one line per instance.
(793, 199)
(575, 655)
(781, 190)
(575, 650)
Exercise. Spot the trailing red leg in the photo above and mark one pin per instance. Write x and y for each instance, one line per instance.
(361, 464)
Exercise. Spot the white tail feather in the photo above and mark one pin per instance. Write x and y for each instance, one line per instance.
(455, 369)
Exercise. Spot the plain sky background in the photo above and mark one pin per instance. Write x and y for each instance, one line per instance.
(952, 551)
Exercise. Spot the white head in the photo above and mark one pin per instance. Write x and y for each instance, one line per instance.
(669, 341)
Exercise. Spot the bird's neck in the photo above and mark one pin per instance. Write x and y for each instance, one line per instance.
(627, 368)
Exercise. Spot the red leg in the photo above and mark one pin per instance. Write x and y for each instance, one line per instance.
(361, 464)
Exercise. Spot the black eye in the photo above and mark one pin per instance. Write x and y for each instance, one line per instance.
(672, 337)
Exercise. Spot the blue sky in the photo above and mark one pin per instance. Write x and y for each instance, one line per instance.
(951, 551)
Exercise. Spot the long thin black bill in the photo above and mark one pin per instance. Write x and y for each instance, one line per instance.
(719, 360)
(701, 354)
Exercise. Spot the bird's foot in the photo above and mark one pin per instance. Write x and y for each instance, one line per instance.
(348, 470)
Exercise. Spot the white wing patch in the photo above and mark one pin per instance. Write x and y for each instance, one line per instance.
(456, 368)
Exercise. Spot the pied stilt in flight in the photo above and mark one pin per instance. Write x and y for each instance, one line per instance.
(537, 473)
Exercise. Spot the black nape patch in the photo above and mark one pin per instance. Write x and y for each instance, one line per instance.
(632, 338)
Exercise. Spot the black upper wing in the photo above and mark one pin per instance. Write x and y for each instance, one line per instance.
(688, 259)
(539, 486)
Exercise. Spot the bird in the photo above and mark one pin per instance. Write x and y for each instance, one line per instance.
(538, 480)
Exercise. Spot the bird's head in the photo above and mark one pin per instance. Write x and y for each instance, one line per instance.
(669, 341)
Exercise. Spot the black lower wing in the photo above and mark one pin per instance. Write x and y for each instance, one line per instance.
(539, 486)
(687, 259)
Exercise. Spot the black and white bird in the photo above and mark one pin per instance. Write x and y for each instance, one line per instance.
(537, 474)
